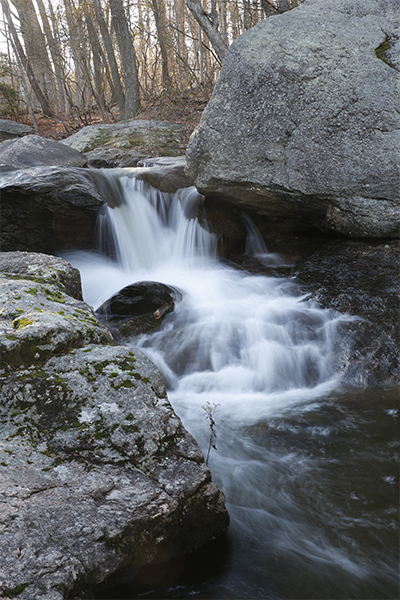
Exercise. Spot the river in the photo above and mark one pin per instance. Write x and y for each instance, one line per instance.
(308, 465)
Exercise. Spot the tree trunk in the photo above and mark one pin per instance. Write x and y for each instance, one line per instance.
(55, 54)
(41, 98)
(209, 24)
(35, 47)
(160, 17)
(128, 58)
(105, 34)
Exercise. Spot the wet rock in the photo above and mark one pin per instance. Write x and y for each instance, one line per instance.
(304, 122)
(39, 317)
(138, 308)
(113, 158)
(137, 299)
(36, 151)
(363, 280)
(125, 135)
(10, 129)
(98, 477)
(45, 209)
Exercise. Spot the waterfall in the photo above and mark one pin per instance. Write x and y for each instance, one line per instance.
(264, 357)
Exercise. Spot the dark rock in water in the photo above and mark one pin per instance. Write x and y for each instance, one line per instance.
(139, 299)
(36, 151)
(111, 158)
(45, 209)
(10, 129)
(304, 121)
(98, 475)
(362, 279)
(168, 179)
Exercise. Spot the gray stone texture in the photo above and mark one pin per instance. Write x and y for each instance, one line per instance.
(134, 133)
(10, 129)
(98, 477)
(304, 121)
(36, 151)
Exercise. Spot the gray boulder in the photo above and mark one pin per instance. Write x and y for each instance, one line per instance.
(44, 209)
(35, 151)
(304, 121)
(134, 133)
(10, 129)
(98, 476)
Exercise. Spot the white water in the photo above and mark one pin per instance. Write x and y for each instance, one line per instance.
(261, 355)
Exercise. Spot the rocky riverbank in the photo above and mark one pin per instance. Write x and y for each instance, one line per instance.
(98, 475)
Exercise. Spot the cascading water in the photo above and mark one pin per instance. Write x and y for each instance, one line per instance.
(263, 358)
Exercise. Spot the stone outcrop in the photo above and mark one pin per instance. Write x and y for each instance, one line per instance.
(36, 151)
(304, 121)
(98, 475)
(10, 129)
(135, 133)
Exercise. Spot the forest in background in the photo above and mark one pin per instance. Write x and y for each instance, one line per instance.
(71, 63)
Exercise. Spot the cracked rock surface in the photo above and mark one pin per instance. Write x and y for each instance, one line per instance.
(97, 474)
(304, 121)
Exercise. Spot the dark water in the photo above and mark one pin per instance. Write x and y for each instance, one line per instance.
(309, 468)
(314, 500)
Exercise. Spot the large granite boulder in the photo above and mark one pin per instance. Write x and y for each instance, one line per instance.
(98, 476)
(304, 121)
(35, 151)
(10, 130)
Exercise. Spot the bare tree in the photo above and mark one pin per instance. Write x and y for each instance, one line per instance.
(209, 23)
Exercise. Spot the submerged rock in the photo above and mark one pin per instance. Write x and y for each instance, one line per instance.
(304, 121)
(363, 280)
(97, 473)
(138, 308)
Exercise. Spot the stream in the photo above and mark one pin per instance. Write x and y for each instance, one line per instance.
(308, 465)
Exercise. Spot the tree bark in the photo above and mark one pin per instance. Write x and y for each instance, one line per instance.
(128, 58)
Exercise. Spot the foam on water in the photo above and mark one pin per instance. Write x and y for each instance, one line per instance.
(256, 350)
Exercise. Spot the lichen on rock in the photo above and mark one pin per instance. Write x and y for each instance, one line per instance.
(97, 472)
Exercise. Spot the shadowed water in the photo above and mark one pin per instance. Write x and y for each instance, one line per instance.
(308, 468)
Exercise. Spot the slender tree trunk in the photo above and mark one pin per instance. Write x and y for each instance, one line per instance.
(24, 81)
(128, 58)
(55, 53)
(75, 37)
(209, 24)
(105, 34)
(35, 46)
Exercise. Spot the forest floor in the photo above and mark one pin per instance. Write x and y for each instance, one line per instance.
(183, 109)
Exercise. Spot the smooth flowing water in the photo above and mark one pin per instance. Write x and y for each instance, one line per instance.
(309, 468)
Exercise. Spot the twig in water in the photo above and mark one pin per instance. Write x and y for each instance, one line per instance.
(208, 409)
